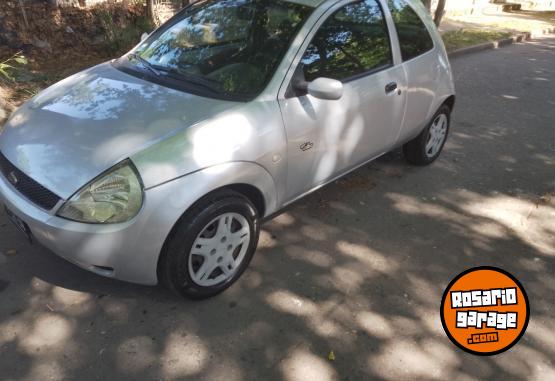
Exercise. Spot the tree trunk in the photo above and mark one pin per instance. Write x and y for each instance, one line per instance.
(440, 11)
(428, 4)
(150, 11)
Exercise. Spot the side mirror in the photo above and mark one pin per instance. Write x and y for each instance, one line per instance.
(325, 88)
(144, 36)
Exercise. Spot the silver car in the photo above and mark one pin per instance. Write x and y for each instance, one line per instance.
(159, 166)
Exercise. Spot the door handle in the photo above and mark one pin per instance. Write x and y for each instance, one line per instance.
(390, 87)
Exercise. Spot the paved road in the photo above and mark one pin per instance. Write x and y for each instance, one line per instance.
(357, 268)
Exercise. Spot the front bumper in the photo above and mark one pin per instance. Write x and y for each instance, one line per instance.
(131, 250)
(127, 251)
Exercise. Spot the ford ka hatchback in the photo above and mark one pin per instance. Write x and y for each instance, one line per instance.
(159, 166)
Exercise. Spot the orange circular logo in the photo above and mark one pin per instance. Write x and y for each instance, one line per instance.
(485, 311)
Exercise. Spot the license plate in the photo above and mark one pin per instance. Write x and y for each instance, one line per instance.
(19, 224)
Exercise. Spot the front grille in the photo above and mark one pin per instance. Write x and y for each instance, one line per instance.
(28, 187)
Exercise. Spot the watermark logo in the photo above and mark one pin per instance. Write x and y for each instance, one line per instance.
(485, 311)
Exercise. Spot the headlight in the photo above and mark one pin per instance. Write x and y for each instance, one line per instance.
(115, 196)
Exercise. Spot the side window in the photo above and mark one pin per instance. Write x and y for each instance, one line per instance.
(414, 37)
(352, 41)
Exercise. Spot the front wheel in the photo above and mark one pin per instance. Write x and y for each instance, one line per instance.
(211, 246)
(426, 147)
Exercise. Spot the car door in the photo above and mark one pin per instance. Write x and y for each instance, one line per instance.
(421, 62)
(351, 44)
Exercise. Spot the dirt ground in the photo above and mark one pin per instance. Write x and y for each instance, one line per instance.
(61, 41)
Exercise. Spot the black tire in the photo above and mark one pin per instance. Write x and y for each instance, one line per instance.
(173, 266)
(415, 150)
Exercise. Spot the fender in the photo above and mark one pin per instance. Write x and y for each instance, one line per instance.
(197, 184)
(164, 204)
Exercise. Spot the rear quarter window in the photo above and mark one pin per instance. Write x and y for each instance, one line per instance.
(414, 38)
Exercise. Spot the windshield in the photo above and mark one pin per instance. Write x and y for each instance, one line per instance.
(223, 47)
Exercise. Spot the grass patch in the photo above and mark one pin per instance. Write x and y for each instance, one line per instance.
(457, 39)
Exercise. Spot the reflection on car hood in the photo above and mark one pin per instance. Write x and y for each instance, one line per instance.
(83, 125)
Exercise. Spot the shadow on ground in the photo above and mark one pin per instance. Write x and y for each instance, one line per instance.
(358, 267)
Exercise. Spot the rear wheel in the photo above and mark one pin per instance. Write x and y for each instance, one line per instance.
(426, 147)
(211, 246)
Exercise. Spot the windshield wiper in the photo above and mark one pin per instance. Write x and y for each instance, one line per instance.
(209, 84)
(144, 62)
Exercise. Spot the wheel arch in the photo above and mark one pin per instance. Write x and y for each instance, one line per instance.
(252, 193)
(248, 179)
(450, 102)
(249, 191)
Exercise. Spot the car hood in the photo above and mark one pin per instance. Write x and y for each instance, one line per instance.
(78, 128)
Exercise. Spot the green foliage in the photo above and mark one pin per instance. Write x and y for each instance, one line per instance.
(9, 65)
(457, 39)
(117, 39)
